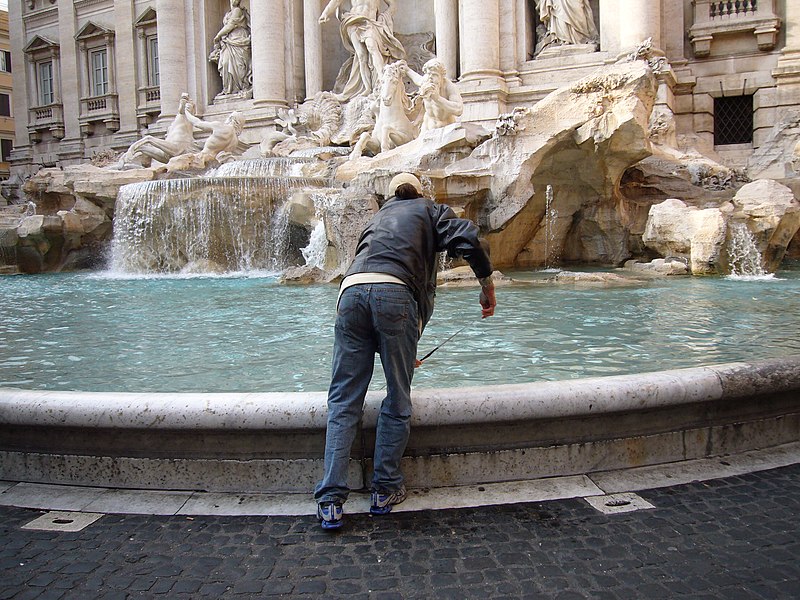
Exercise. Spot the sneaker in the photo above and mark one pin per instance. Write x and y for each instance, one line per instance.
(382, 502)
(330, 515)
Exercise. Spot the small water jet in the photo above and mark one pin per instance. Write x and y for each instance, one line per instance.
(550, 217)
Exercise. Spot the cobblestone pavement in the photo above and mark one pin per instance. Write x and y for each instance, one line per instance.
(731, 538)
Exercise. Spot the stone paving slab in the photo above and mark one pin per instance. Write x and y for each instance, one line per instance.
(731, 538)
(51, 497)
(643, 478)
(146, 502)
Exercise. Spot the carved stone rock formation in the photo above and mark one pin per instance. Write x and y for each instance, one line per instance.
(703, 237)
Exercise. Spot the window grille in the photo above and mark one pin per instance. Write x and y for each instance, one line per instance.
(733, 120)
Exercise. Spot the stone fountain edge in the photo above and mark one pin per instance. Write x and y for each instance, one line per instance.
(273, 441)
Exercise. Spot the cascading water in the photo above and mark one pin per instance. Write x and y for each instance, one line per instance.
(273, 167)
(314, 253)
(214, 223)
(743, 255)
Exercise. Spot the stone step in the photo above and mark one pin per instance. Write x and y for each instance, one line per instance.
(9, 222)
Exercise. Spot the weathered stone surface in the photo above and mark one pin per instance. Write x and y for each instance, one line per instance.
(85, 180)
(595, 279)
(697, 235)
(775, 158)
(772, 214)
(305, 275)
(464, 277)
(659, 267)
(701, 236)
(31, 226)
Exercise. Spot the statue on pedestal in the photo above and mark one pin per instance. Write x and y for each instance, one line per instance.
(367, 33)
(566, 22)
(232, 52)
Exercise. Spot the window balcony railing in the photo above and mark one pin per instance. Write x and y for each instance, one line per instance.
(149, 105)
(726, 17)
(149, 99)
(49, 117)
(99, 109)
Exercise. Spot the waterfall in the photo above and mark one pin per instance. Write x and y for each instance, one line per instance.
(317, 247)
(289, 166)
(204, 223)
(743, 255)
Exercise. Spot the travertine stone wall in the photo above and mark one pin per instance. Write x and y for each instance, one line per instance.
(487, 45)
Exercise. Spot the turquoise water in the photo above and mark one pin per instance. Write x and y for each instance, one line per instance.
(97, 333)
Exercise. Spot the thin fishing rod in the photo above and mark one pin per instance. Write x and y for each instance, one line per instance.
(443, 343)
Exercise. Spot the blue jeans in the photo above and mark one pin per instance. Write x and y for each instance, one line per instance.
(382, 318)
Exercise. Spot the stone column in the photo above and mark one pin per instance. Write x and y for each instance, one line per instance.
(480, 38)
(71, 147)
(639, 20)
(610, 26)
(482, 85)
(787, 71)
(446, 14)
(267, 22)
(124, 53)
(312, 39)
(24, 88)
(173, 68)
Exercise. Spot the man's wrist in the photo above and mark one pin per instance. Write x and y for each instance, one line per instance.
(486, 281)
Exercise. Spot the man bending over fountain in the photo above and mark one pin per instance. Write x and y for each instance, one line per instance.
(385, 301)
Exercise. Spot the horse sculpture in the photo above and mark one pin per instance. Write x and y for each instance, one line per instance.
(391, 104)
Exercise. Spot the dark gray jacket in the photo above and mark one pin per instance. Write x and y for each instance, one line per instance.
(402, 239)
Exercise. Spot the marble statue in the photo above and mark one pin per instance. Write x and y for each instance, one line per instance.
(221, 145)
(391, 106)
(567, 22)
(441, 100)
(179, 139)
(367, 33)
(232, 51)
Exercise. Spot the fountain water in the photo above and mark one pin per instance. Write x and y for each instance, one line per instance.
(550, 216)
(231, 220)
(743, 255)
(315, 252)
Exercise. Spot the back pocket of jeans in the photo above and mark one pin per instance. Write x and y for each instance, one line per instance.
(393, 312)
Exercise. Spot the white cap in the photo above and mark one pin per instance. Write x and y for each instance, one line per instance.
(402, 178)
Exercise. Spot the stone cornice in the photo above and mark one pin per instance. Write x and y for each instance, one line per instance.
(80, 4)
(41, 18)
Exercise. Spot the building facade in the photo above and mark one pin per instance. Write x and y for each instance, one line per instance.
(7, 129)
(92, 75)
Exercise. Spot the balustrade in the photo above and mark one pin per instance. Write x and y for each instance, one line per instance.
(96, 109)
(49, 117)
(730, 17)
(732, 8)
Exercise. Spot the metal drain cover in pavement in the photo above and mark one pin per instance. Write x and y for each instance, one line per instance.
(62, 521)
(618, 503)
